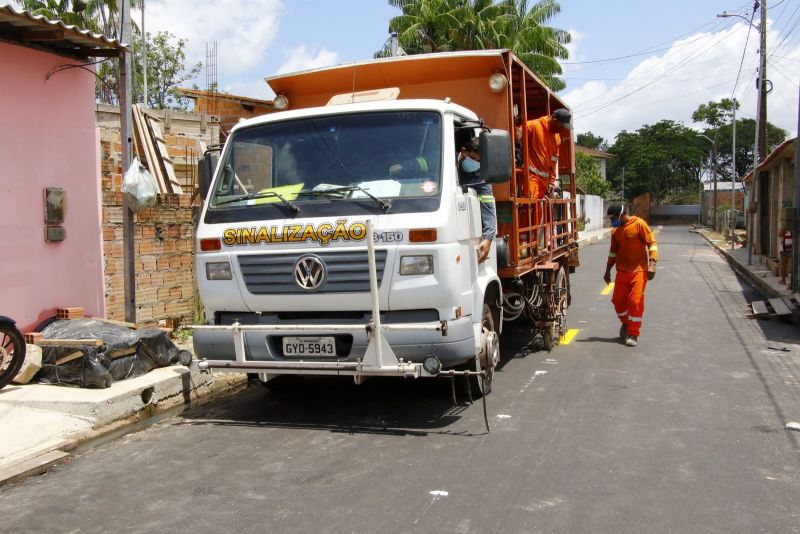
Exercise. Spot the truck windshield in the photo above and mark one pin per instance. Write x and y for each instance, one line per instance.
(366, 157)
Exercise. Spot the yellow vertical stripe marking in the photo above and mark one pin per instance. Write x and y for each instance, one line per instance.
(569, 336)
(608, 289)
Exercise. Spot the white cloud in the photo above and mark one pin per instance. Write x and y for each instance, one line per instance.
(253, 88)
(695, 70)
(573, 48)
(242, 29)
(301, 58)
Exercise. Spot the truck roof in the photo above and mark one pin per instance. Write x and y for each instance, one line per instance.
(379, 105)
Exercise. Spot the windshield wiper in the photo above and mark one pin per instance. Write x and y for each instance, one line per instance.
(266, 194)
(346, 189)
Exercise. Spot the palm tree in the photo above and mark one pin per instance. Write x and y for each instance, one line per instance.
(425, 25)
(444, 25)
(538, 46)
(99, 16)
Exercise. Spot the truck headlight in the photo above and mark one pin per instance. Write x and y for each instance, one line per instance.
(416, 264)
(219, 270)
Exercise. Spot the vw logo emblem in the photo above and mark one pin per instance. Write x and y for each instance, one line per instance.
(309, 272)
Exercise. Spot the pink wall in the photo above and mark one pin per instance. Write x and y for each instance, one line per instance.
(48, 138)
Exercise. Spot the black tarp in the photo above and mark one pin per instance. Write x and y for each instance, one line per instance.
(98, 367)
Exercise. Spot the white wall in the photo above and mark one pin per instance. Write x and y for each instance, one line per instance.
(591, 208)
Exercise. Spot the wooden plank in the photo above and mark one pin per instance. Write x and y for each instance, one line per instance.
(759, 307)
(780, 307)
(151, 156)
(31, 467)
(160, 145)
(118, 323)
(66, 343)
(122, 352)
(74, 355)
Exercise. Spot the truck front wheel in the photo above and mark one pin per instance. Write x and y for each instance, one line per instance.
(489, 355)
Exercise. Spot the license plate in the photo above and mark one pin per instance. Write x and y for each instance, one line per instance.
(309, 346)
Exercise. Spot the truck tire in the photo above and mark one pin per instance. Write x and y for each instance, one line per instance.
(479, 385)
(12, 352)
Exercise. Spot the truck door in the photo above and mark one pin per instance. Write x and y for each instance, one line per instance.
(468, 215)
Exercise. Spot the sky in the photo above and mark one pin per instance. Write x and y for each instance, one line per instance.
(631, 63)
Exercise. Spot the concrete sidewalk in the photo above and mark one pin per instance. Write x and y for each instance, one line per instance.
(41, 424)
(755, 272)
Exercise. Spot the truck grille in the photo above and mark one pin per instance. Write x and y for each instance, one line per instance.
(347, 272)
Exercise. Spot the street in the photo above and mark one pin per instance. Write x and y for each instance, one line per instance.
(684, 433)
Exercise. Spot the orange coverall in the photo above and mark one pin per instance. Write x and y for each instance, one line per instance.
(632, 245)
(544, 143)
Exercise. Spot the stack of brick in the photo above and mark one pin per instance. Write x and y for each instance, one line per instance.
(163, 235)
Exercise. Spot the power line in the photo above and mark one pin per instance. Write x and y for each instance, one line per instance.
(744, 52)
(715, 24)
(787, 33)
(670, 71)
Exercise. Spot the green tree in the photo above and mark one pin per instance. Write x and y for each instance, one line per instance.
(165, 72)
(745, 141)
(428, 26)
(664, 159)
(166, 59)
(590, 140)
(588, 177)
(537, 45)
(99, 16)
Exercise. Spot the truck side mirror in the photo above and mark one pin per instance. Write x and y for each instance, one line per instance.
(205, 171)
(496, 163)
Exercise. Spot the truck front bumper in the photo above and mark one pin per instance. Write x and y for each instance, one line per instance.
(257, 348)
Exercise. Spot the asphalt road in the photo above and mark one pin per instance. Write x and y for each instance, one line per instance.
(684, 433)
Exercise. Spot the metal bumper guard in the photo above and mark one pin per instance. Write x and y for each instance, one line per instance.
(379, 358)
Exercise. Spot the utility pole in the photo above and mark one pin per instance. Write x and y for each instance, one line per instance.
(762, 83)
(702, 192)
(126, 73)
(796, 226)
(760, 148)
(144, 58)
(714, 223)
(733, 180)
(623, 184)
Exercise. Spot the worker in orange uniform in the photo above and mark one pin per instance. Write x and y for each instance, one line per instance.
(544, 141)
(634, 251)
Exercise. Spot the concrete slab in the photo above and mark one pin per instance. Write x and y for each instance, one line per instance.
(28, 430)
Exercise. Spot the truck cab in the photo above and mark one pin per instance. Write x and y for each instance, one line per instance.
(284, 241)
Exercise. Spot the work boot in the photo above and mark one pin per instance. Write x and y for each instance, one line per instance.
(631, 341)
(623, 332)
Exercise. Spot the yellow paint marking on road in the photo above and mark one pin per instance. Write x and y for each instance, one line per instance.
(608, 289)
(567, 338)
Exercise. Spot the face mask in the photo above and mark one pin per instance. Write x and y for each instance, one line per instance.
(616, 223)
(470, 165)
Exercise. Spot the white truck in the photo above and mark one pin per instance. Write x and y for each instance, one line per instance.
(335, 237)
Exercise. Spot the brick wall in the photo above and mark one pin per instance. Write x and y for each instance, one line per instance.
(163, 235)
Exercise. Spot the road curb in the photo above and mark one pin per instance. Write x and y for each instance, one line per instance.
(594, 238)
